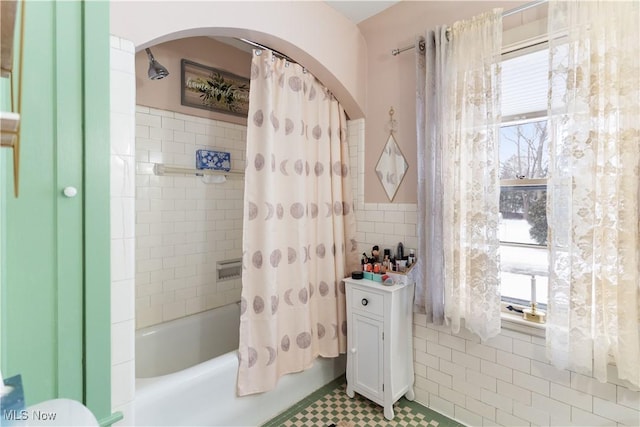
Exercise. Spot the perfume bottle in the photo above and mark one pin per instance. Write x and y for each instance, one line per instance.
(400, 251)
(386, 263)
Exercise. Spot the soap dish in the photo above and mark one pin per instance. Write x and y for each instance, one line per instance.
(216, 160)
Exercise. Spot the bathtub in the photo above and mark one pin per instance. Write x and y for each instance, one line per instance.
(186, 375)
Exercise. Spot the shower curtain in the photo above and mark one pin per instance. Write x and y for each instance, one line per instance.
(299, 225)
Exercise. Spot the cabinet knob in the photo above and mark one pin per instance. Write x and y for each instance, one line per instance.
(353, 350)
(365, 301)
(70, 192)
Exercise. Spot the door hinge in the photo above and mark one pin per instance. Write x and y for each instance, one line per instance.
(382, 387)
(383, 336)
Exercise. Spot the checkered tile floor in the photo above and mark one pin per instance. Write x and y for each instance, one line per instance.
(331, 407)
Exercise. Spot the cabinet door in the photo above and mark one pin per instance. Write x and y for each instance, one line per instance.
(367, 361)
(54, 250)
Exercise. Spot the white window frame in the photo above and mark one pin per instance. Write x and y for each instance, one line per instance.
(514, 319)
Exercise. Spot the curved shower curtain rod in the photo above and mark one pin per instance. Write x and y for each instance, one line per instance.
(510, 12)
(275, 52)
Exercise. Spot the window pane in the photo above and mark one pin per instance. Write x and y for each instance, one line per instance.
(518, 265)
(516, 289)
(523, 150)
(524, 156)
(523, 215)
(525, 84)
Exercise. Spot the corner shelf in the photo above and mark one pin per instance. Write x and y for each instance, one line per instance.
(9, 128)
(8, 10)
(10, 120)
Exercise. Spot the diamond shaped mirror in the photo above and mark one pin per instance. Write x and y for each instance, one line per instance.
(391, 167)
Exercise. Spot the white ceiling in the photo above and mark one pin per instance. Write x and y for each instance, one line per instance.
(355, 10)
(359, 10)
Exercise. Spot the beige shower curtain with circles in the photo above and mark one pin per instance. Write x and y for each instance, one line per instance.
(299, 225)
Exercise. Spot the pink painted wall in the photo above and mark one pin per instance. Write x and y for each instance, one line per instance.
(391, 80)
(165, 94)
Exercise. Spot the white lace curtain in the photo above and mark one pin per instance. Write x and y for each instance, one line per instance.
(299, 225)
(593, 188)
(459, 173)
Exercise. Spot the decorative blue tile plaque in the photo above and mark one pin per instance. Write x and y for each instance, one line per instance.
(217, 160)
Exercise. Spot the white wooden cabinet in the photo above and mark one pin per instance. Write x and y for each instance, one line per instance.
(379, 342)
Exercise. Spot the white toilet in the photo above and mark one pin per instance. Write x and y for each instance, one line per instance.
(60, 412)
(54, 412)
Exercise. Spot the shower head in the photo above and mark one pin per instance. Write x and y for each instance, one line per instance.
(156, 71)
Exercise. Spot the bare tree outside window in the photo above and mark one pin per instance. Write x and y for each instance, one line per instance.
(523, 156)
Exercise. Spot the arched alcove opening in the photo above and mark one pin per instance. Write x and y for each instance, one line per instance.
(312, 33)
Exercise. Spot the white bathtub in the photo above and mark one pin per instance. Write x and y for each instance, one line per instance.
(191, 380)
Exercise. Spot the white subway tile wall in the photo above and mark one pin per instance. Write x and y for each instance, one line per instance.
(465, 383)
(123, 229)
(504, 381)
(183, 225)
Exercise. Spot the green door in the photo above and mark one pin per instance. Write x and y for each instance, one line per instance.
(55, 247)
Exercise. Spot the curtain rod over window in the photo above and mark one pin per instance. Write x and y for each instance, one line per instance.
(509, 12)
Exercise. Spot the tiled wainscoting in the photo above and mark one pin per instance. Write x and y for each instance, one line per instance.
(184, 226)
(505, 381)
(508, 381)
